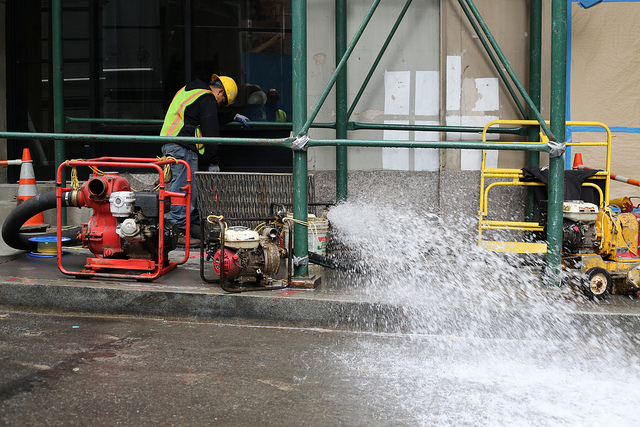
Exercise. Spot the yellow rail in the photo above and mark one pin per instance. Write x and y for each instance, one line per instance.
(514, 177)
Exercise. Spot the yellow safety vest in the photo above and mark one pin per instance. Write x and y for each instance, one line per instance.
(174, 120)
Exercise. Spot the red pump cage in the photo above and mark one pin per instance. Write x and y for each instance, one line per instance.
(101, 266)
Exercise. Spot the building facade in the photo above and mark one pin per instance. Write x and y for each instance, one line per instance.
(125, 60)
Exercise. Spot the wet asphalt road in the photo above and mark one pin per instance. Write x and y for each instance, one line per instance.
(70, 370)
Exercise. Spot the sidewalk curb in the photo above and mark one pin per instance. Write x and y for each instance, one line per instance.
(306, 309)
(200, 304)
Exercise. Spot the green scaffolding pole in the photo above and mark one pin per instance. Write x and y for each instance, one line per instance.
(58, 83)
(535, 84)
(300, 168)
(556, 160)
(341, 102)
(492, 57)
(507, 66)
(383, 49)
(340, 66)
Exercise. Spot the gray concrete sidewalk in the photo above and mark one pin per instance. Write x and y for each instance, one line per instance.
(30, 283)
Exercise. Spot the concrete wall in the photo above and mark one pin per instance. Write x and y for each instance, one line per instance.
(404, 88)
(435, 71)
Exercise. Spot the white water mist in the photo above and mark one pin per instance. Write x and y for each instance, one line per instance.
(483, 343)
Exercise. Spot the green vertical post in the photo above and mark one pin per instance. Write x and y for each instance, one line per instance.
(341, 102)
(58, 82)
(556, 161)
(535, 78)
(299, 101)
(535, 72)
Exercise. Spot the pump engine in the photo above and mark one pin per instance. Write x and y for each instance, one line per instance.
(603, 245)
(125, 223)
(578, 227)
(242, 255)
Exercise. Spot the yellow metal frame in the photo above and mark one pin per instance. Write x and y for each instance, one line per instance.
(515, 177)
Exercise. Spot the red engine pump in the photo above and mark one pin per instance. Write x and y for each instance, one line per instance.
(127, 231)
(124, 223)
(99, 234)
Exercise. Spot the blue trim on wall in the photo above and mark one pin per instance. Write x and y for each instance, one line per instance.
(608, 1)
(614, 129)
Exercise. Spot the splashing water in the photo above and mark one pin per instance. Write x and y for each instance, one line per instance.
(480, 342)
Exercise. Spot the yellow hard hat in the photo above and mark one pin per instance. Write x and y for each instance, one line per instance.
(229, 85)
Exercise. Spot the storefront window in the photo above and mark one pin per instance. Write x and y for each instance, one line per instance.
(126, 59)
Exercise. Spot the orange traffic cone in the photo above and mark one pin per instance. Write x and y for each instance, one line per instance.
(577, 161)
(26, 190)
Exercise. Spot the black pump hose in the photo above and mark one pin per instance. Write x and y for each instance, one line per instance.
(21, 214)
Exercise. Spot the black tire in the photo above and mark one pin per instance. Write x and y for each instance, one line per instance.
(597, 284)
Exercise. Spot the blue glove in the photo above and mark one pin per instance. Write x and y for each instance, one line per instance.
(243, 120)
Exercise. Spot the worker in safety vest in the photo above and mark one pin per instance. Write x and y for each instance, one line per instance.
(274, 114)
(194, 112)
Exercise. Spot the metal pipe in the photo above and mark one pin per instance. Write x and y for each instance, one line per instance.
(535, 70)
(482, 39)
(537, 146)
(507, 66)
(283, 142)
(535, 78)
(286, 142)
(113, 121)
(341, 65)
(300, 167)
(350, 125)
(556, 163)
(341, 102)
(378, 58)
(522, 130)
(58, 85)
(159, 122)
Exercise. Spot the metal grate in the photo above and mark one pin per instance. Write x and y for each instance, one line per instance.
(244, 195)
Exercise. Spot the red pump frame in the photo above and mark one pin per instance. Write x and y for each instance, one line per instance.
(152, 269)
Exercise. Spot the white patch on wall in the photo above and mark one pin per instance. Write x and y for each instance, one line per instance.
(454, 82)
(426, 159)
(472, 159)
(488, 95)
(397, 92)
(427, 93)
(395, 158)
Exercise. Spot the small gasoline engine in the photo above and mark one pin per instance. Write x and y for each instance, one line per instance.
(125, 223)
(241, 255)
(602, 244)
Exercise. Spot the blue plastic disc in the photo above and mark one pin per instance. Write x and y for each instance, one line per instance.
(47, 246)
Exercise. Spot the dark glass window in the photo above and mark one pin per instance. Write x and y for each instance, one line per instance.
(126, 59)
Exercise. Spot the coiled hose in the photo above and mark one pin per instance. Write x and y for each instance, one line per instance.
(21, 214)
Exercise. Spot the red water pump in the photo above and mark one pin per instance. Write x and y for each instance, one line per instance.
(124, 223)
(127, 230)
